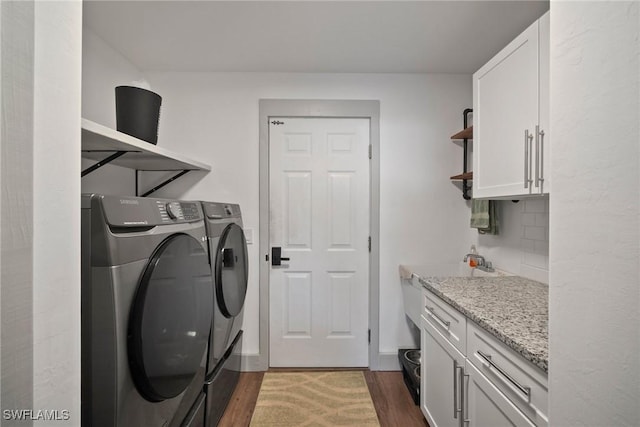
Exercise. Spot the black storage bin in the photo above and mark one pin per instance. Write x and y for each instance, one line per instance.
(138, 112)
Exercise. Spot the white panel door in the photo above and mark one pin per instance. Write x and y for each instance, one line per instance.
(319, 216)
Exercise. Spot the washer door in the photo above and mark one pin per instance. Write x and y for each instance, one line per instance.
(231, 271)
(170, 318)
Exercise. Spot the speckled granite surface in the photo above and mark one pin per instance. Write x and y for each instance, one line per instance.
(513, 309)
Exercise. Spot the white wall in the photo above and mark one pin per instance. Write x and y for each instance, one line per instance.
(214, 118)
(56, 207)
(40, 285)
(594, 363)
(16, 216)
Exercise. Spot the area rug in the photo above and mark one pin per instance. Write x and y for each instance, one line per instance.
(335, 398)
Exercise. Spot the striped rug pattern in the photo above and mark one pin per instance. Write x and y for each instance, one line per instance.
(325, 398)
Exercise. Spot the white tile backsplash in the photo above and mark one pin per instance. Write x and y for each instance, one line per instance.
(522, 247)
(529, 219)
(535, 233)
(532, 232)
(536, 205)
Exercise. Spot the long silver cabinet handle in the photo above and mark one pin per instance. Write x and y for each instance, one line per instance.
(444, 323)
(530, 160)
(537, 156)
(463, 403)
(523, 389)
(456, 410)
(526, 158)
(541, 155)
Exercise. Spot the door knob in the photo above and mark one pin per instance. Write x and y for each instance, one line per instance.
(276, 256)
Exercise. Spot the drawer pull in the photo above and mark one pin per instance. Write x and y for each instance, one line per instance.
(444, 323)
(524, 390)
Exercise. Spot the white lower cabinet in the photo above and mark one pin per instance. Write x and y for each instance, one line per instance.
(441, 373)
(485, 405)
(479, 384)
(518, 380)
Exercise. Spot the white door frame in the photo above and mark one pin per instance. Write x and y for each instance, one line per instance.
(318, 109)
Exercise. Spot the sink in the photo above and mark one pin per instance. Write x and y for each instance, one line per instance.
(456, 269)
(476, 272)
(412, 289)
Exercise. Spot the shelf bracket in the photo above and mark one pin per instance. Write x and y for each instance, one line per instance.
(162, 184)
(465, 142)
(101, 163)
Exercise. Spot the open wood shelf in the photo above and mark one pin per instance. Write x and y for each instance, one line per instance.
(99, 141)
(464, 134)
(468, 175)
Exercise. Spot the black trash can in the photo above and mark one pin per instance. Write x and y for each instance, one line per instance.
(138, 112)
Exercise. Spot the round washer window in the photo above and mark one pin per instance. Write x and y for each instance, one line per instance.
(231, 271)
(170, 318)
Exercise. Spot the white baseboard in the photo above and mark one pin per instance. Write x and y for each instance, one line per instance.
(252, 363)
(388, 362)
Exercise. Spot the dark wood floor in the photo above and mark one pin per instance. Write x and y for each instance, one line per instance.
(390, 396)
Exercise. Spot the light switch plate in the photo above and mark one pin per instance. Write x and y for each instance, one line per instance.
(248, 234)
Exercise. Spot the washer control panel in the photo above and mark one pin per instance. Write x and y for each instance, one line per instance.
(174, 211)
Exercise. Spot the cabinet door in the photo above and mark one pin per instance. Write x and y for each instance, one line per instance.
(505, 105)
(545, 102)
(441, 368)
(486, 406)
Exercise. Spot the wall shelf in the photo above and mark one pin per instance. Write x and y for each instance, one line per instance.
(462, 176)
(98, 141)
(108, 146)
(465, 135)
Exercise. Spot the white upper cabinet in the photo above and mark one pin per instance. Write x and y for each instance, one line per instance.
(545, 102)
(511, 116)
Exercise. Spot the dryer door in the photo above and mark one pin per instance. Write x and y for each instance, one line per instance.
(231, 271)
(170, 318)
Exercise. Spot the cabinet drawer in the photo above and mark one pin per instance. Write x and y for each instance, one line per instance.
(447, 320)
(519, 380)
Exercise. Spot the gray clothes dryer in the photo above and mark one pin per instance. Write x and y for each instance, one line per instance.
(229, 263)
(147, 293)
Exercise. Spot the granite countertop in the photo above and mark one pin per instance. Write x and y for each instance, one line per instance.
(513, 309)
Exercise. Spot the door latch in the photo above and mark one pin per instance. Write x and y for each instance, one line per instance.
(276, 256)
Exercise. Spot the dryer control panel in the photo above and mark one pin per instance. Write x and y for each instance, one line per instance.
(214, 211)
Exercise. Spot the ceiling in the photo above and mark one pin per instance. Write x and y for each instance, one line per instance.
(310, 36)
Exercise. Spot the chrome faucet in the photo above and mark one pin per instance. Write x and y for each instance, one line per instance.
(481, 263)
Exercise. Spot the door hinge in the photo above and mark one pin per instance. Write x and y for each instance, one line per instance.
(369, 244)
(369, 336)
(370, 151)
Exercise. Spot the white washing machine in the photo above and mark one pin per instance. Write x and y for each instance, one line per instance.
(229, 263)
(147, 308)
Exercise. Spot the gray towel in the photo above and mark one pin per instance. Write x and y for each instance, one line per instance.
(484, 216)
